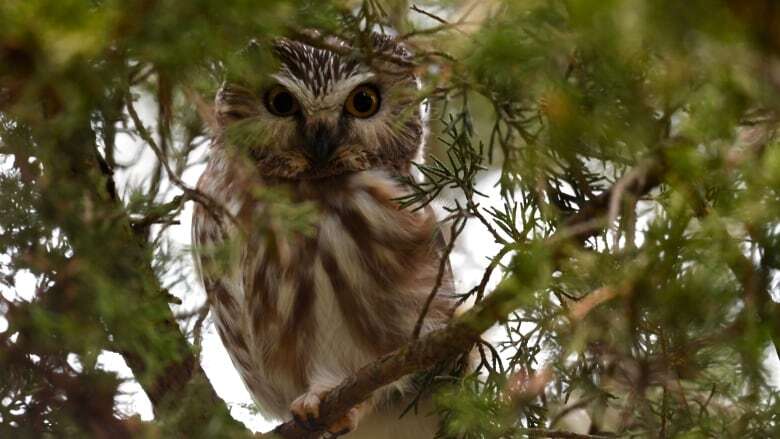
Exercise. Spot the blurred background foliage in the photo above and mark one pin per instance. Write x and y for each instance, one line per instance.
(662, 323)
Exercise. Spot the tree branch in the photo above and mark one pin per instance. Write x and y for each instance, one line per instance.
(174, 382)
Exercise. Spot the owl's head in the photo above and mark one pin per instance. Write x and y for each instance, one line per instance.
(327, 111)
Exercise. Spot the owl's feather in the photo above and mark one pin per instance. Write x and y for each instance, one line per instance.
(299, 313)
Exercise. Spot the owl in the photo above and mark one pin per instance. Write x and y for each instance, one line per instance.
(299, 312)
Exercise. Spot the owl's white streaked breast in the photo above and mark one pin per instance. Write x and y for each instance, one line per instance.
(297, 311)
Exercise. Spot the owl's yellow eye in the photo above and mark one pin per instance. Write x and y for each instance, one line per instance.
(281, 102)
(363, 102)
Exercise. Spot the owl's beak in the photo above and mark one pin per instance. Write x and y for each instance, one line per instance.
(320, 144)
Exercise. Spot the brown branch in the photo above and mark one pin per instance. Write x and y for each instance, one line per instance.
(462, 332)
(571, 408)
(163, 213)
(494, 263)
(165, 386)
(78, 198)
(444, 25)
(642, 179)
(434, 17)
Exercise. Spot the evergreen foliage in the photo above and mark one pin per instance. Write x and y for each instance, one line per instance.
(635, 144)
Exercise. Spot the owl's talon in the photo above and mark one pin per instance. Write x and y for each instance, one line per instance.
(306, 411)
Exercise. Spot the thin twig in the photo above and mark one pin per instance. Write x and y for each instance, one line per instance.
(211, 205)
(434, 17)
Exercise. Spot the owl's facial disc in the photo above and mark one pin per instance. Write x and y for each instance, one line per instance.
(326, 113)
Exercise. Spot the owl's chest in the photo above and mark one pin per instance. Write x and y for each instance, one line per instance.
(294, 308)
(357, 267)
(328, 302)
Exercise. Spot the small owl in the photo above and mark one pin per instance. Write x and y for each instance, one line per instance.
(300, 312)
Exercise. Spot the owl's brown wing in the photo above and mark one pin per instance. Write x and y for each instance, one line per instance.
(445, 292)
(441, 243)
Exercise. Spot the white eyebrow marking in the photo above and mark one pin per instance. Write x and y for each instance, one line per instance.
(352, 82)
(334, 95)
(296, 86)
